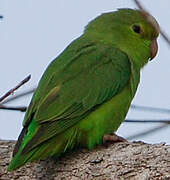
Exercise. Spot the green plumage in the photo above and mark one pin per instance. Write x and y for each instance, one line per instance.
(87, 90)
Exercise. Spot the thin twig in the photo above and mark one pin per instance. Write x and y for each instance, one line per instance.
(20, 95)
(139, 5)
(24, 108)
(19, 108)
(165, 36)
(149, 131)
(15, 88)
(150, 109)
(147, 121)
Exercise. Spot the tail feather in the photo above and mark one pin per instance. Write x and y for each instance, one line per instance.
(52, 147)
(18, 160)
(40, 152)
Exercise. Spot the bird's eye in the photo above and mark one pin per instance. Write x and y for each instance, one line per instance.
(136, 29)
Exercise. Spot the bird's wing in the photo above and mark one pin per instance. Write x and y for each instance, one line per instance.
(94, 75)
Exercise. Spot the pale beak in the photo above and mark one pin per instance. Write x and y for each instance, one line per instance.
(154, 49)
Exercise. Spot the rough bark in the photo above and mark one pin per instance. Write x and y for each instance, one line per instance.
(118, 161)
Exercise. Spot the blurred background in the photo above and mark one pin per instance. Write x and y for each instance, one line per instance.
(33, 33)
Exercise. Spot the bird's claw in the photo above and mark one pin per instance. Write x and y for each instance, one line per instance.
(112, 138)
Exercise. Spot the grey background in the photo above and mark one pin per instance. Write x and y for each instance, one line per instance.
(34, 32)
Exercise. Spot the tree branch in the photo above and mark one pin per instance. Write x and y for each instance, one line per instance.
(147, 132)
(15, 88)
(150, 109)
(20, 95)
(17, 108)
(167, 121)
(131, 161)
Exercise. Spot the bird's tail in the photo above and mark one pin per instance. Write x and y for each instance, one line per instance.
(52, 147)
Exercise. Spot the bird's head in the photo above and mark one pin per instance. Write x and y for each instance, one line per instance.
(133, 31)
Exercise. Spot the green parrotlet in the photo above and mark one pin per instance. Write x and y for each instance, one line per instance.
(85, 93)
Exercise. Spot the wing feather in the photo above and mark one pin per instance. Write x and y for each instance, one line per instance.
(94, 76)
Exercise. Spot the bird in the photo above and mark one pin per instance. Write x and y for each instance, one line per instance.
(85, 93)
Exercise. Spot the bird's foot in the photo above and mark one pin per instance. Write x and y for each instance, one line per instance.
(112, 138)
